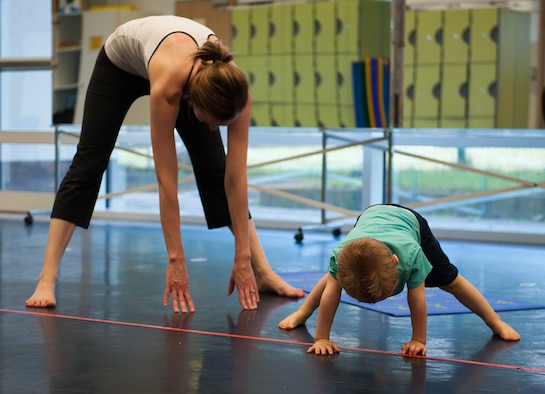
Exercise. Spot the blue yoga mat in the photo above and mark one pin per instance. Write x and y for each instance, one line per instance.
(439, 302)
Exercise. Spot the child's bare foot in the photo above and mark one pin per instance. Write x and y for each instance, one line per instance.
(272, 283)
(44, 295)
(505, 331)
(294, 320)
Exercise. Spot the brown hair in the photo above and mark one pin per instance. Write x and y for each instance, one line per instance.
(366, 270)
(220, 88)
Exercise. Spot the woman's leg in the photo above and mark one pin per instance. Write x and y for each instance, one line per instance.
(206, 150)
(109, 96)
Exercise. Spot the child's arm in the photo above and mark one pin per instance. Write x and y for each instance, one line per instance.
(329, 302)
(419, 318)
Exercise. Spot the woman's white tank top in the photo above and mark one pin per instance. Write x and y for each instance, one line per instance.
(133, 44)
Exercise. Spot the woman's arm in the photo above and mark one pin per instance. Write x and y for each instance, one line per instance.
(167, 76)
(236, 189)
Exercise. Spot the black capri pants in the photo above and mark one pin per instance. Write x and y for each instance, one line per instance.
(109, 96)
(443, 271)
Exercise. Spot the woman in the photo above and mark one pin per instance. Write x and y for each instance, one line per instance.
(194, 87)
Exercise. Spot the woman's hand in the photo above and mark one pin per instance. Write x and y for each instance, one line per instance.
(242, 277)
(177, 285)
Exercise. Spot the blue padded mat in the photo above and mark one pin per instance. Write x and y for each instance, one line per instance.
(439, 302)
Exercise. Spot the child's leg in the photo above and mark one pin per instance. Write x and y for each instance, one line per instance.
(300, 316)
(472, 298)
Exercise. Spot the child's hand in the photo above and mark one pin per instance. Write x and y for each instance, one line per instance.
(414, 348)
(323, 347)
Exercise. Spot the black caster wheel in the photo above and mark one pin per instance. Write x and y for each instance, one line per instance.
(336, 232)
(299, 236)
(28, 219)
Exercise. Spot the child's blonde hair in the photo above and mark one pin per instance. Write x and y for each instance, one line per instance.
(366, 270)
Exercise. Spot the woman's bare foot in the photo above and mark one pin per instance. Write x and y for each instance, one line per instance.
(505, 331)
(44, 295)
(294, 320)
(273, 283)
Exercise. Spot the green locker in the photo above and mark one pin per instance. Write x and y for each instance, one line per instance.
(280, 29)
(348, 34)
(452, 123)
(344, 78)
(428, 27)
(261, 114)
(303, 27)
(303, 79)
(484, 32)
(282, 115)
(243, 62)
(240, 38)
(481, 123)
(455, 36)
(305, 115)
(426, 123)
(258, 77)
(328, 116)
(325, 80)
(426, 99)
(482, 88)
(280, 79)
(410, 38)
(347, 116)
(454, 91)
(325, 26)
(259, 30)
(408, 97)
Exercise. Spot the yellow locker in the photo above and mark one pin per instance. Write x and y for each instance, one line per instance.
(453, 123)
(303, 27)
(348, 26)
(240, 30)
(259, 30)
(327, 116)
(280, 29)
(258, 77)
(243, 62)
(347, 116)
(260, 115)
(408, 97)
(484, 30)
(410, 37)
(280, 79)
(456, 36)
(325, 26)
(325, 79)
(426, 100)
(344, 78)
(454, 91)
(282, 115)
(482, 85)
(481, 123)
(425, 123)
(304, 79)
(428, 26)
(305, 115)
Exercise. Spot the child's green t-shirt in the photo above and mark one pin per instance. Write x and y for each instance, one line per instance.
(399, 229)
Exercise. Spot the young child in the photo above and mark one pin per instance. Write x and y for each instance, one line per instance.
(390, 246)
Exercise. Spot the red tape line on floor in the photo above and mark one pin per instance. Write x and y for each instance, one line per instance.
(286, 341)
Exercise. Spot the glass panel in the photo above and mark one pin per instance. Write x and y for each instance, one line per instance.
(25, 98)
(25, 28)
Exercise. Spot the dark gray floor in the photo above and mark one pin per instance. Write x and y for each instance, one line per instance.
(111, 334)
